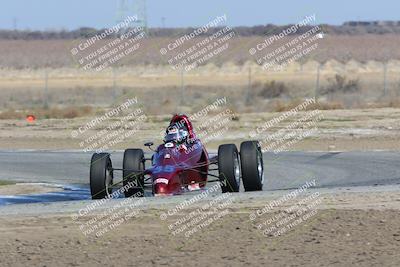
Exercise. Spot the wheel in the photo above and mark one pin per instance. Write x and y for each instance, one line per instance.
(101, 175)
(229, 168)
(133, 162)
(251, 159)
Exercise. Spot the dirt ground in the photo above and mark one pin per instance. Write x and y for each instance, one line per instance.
(349, 229)
(339, 130)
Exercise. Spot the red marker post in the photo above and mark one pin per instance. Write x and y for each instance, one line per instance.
(30, 118)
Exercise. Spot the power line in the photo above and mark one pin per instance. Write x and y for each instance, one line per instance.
(135, 8)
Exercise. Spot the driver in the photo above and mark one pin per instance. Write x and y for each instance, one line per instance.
(177, 134)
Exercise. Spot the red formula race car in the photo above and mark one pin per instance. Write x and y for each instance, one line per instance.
(180, 164)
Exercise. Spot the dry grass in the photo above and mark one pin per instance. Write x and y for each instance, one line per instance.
(169, 100)
(272, 89)
(280, 106)
(392, 103)
(158, 88)
(341, 84)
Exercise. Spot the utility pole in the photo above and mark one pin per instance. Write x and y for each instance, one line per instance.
(15, 23)
(163, 22)
(136, 8)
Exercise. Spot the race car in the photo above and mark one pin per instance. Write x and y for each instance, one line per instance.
(179, 165)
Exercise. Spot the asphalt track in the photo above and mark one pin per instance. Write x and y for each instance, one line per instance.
(285, 170)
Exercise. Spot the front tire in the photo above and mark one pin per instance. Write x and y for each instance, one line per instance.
(101, 175)
(229, 168)
(251, 159)
(132, 163)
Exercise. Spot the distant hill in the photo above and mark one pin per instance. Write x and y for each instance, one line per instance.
(348, 28)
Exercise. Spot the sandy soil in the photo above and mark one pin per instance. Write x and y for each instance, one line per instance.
(339, 130)
(355, 229)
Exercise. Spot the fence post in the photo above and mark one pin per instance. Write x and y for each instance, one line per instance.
(317, 82)
(385, 78)
(114, 92)
(248, 88)
(182, 86)
(46, 89)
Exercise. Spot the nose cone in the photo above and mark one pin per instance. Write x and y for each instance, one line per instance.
(161, 189)
(166, 184)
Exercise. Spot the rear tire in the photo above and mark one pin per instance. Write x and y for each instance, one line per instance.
(133, 161)
(251, 159)
(229, 168)
(101, 175)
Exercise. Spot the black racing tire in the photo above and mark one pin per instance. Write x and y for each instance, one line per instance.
(101, 175)
(251, 159)
(133, 161)
(229, 168)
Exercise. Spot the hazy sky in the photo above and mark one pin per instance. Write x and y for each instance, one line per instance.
(71, 14)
